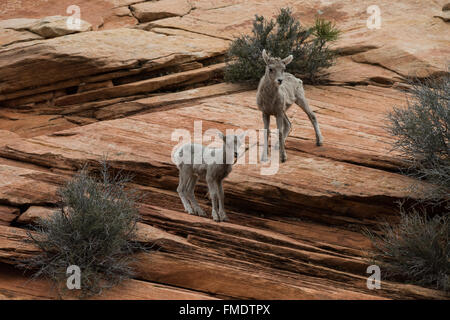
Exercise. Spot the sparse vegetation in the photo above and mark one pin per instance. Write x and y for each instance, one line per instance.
(94, 230)
(422, 132)
(416, 250)
(280, 38)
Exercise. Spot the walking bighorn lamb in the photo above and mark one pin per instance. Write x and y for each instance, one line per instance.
(213, 164)
(277, 91)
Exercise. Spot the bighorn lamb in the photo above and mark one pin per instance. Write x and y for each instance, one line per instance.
(277, 91)
(213, 164)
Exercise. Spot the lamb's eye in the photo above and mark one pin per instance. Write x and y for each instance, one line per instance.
(270, 69)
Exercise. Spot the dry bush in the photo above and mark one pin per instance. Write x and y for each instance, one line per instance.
(422, 133)
(94, 230)
(416, 250)
(282, 37)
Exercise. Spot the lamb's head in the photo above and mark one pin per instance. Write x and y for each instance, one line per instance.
(275, 67)
(232, 143)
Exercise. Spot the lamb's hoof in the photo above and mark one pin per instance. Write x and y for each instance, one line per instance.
(200, 212)
(215, 216)
(319, 143)
(223, 216)
(283, 158)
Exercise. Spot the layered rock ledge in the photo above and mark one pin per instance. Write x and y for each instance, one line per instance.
(140, 70)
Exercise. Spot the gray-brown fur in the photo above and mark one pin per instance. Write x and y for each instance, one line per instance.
(277, 91)
(214, 172)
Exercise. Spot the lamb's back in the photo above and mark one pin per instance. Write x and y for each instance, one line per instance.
(290, 88)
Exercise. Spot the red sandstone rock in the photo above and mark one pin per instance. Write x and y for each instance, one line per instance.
(294, 235)
(10, 36)
(8, 214)
(14, 286)
(96, 52)
(351, 186)
(155, 10)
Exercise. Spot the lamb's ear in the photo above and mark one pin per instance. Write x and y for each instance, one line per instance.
(287, 60)
(265, 56)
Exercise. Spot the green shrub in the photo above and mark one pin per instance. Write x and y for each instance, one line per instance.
(285, 36)
(422, 132)
(94, 230)
(416, 250)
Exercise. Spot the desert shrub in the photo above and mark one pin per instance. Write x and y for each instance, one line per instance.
(282, 37)
(94, 230)
(422, 132)
(416, 250)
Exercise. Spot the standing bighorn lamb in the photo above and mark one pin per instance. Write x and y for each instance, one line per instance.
(277, 91)
(213, 164)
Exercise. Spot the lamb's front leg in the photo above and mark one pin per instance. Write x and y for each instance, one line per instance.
(191, 196)
(222, 214)
(183, 188)
(281, 138)
(266, 120)
(213, 193)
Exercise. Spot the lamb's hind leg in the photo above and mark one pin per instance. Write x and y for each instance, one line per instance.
(191, 196)
(301, 101)
(266, 120)
(286, 127)
(213, 193)
(281, 137)
(183, 188)
(222, 214)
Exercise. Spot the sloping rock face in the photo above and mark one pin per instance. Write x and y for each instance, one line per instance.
(345, 175)
(296, 234)
(149, 68)
(10, 36)
(96, 52)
